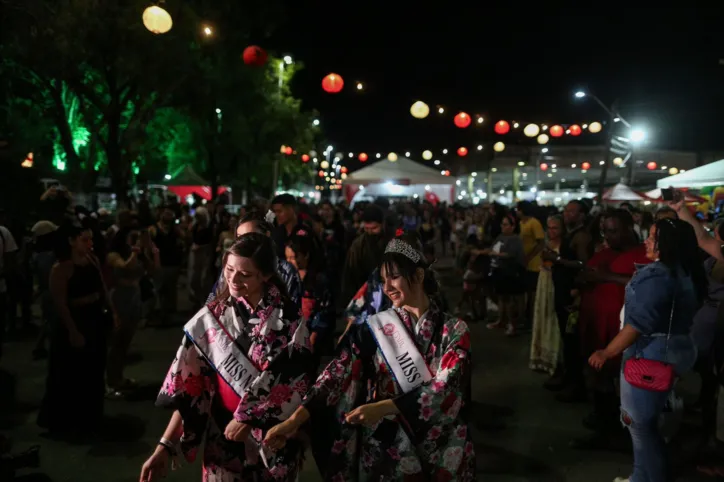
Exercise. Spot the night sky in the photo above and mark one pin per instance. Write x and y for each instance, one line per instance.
(515, 63)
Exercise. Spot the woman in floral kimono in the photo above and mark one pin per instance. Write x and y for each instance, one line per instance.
(243, 366)
(390, 406)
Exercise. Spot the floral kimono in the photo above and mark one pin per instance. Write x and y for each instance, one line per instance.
(428, 440)
(367, 301)
(261, 387)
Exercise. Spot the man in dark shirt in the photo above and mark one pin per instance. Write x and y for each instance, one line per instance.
(287, 223)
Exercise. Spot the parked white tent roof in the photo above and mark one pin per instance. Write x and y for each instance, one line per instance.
(711, 174)
(404, 171)
(621, 192)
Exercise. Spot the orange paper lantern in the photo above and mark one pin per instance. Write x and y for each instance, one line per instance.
(651, 166)
(556, 131)
(502, 127)
(305, 157)
(544, 166)
(288, 151)
(321, 173)
(575, 130)
(462, 151)
(332, 83)
(586, 165)
(363, 157)
(462, 120)
(254, 56)
(344, 169)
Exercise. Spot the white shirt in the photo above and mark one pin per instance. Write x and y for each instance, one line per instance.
(7, 245)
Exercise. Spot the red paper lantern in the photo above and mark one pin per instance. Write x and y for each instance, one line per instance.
(544, 166)
(586, 165)
(332, 83)
(651, 166)
(321, 173)
(254, 56)
(502, 127)
(462, 120)
(462, 151)
(363, 157)
(344, 170)
(288, 151)
(305, 157)
(556, 131)
(575, 130)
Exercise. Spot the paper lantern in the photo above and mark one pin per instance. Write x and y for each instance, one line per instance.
(575, 130)
(617, 161)
(332, 83)
(586, 166)
(556, 131)
(283, 149)
(157, 20)
(344, 169)
(543, 139)
(531, 130)
(673, 171)
(419, 110)
(462, 120)
(595, 127)
(427, 155)
(462, 151)
(544, 166)
(324, 164)
(362, 157)
(254, 56)
(321, 173)
(498, 147)
(392, 157)
(344, 176)
(305, 157)
(651, 166)
(288, 151)
(502, 127)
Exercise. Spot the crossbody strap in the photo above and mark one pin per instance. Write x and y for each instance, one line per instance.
(671, 320)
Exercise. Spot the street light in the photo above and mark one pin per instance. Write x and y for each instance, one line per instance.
(288, 59)
(637, 136)
(315, 122)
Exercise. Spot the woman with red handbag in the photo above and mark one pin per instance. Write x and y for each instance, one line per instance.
(661, 300)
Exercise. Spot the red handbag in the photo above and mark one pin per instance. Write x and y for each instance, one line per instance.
(651, 375)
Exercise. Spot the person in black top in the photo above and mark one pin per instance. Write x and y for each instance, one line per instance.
(287, 223)
(166, 235)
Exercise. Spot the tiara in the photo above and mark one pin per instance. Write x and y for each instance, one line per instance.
(400, 247)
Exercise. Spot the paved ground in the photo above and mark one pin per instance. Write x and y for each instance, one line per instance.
(521, 432)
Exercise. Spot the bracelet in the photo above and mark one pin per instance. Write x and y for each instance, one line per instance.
(168, 445)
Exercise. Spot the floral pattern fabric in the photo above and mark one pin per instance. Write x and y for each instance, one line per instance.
(369, 300)
(277, 343)
(428, 440)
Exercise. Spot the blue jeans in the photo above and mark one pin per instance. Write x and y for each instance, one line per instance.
(641, 409)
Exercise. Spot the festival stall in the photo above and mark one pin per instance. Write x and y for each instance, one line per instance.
(622, 193)
(404, 179)
(186, 182)
(711, 174)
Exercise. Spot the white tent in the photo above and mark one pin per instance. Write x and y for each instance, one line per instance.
(621, 192)
(404, 171)
(711, 174)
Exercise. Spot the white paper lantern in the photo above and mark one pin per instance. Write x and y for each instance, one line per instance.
(419, 110)
(157, 20)
(392, 157)
(499, 147)
(531, 130)
(673, 171)
(324, 165)
(595, 127)
(543, 139)
(617, 161)
(427, 155)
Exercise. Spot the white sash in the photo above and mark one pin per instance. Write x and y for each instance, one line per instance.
(213, 341)
(399, 349)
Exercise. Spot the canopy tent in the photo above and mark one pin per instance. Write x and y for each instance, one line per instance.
(711, 174)
(655, 195)
(185, 182)
(431, 193)
(621, 192)
(403, 172)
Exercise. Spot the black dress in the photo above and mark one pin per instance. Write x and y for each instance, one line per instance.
(75, 386)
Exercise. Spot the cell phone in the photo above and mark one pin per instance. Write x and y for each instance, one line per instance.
(667, 193)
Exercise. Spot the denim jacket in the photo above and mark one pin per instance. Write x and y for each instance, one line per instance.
(655, 298)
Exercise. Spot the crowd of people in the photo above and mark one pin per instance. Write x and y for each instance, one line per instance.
(606, 294)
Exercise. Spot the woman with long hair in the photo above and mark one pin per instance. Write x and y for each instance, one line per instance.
(390, 405)
(661, 300)
(318, 308)
(75, 386)
(243, 366)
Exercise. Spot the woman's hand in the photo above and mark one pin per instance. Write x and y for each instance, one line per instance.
(76, 338)
(156, 467)
(371, 413)
(276, 437)
(237, 431)
(598, 359)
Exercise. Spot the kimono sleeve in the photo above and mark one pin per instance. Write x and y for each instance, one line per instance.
(323, 318)
(279, 390)
(188, 388)
(438, 402)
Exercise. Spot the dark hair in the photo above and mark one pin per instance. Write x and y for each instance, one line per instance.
(678, 247)
(303, 242)
(259, 248)
(624, 218)
(285, 200)
(63, 235)
(526, 208)
(407, 268)
(663, 210)
(512, 220)
(581, 205)
(260, 224)
(119, 243)
(373, 214)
